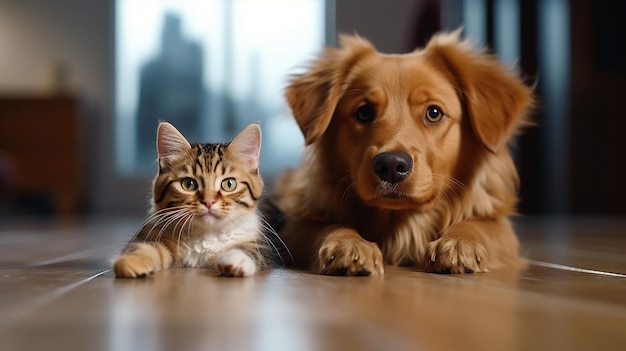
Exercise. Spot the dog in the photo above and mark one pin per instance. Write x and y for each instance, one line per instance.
(407, 160)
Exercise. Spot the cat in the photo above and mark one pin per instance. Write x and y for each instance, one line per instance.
(204, 209)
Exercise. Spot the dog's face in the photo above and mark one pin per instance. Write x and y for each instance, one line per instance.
(397, 130)
(409, 129)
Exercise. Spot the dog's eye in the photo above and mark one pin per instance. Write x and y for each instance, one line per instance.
(365, 114)
(434, 114)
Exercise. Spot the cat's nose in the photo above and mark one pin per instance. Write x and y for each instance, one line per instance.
(208, 203)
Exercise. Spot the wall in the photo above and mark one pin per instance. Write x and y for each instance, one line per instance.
(389, 25)
(598, 119)
(38, 35)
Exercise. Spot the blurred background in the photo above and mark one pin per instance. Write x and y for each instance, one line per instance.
(83, 84)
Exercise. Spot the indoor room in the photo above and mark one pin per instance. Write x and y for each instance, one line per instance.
(312, 175)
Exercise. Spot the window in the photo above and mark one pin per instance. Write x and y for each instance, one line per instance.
(210, 68)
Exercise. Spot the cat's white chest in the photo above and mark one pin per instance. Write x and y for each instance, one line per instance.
(206, 246)
(210, 243)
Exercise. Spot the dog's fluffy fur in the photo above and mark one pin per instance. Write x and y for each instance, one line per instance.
(444, 206)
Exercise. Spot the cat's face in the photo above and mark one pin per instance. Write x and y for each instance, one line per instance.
(208, 183)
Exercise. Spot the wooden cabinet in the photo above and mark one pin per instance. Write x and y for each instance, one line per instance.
(42, 137)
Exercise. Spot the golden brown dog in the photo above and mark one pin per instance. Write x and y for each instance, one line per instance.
(406, 162)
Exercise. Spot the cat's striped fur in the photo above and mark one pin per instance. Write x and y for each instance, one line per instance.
(204, 209)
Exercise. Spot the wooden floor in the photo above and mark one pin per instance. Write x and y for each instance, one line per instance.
(57, 293)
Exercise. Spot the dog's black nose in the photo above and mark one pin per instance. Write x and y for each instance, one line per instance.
(392, 167)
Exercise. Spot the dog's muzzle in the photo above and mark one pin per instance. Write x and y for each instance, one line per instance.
(392, 167)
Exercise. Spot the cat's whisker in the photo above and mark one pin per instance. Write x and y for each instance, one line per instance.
(265, 224)
(181, 219)
(190, 226)
(157, 215)
(159, 223)
(173, 219)
(269, 243)
(186, 222)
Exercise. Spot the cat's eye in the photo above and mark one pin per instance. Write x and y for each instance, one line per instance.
(365, 114)
(434, 114)
(189, 184)
(229, 184)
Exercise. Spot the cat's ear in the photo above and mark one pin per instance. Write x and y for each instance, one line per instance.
(169, 142)
(247, 145)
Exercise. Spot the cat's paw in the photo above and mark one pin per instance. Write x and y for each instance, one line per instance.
(133, 266)
(235, 263)
(141, 259)
(345, 252)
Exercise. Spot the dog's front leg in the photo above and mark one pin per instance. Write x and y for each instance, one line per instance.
(477, 245)
(345, 252)
(331, 249)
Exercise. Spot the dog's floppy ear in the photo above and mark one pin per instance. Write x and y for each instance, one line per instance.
(496, 100)
(314, 94)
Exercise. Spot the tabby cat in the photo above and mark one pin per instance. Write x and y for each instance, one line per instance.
(204, 209)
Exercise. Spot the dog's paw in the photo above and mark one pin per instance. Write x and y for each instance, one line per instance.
(235, 263)
(133, 266)
(350, 255)
(456, 255)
